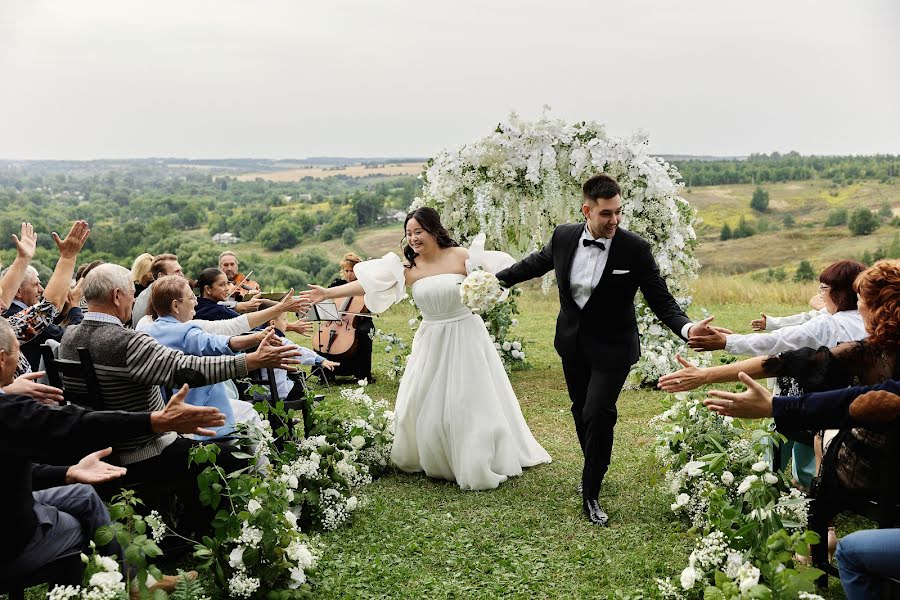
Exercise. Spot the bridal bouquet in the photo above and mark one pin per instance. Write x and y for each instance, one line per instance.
(480, 291)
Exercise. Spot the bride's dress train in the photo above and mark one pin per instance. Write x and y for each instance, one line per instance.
(457, 415)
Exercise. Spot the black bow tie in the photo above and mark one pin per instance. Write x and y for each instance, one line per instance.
(587, 243)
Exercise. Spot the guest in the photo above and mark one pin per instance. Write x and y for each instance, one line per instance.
(131, 366)
(239, 284)
(162, 265)
(50, 511)
(32, 317)
(868, 362)
(213, 299)
(841, 322)
(174, 302)
(140, 273)
(286, 385)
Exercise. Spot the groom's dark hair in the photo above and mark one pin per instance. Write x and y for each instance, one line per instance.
(600, 186)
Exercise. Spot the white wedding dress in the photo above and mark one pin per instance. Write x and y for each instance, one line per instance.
(457, 415)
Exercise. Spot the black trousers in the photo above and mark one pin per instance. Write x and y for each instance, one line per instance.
(593, 393)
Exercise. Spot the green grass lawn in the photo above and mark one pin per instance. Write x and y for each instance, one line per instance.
(419, 537)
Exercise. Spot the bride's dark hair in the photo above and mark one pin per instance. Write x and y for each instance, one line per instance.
(430, 221)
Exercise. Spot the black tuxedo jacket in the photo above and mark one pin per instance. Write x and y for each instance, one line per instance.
(606, 327)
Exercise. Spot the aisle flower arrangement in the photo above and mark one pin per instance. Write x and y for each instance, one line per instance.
(751, 521)
(524, 179)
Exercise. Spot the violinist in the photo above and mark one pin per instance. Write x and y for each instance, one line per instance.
(228, 264)
(360, 364)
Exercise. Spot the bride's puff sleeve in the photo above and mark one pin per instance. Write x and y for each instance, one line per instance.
(383, 280)
(491, 261)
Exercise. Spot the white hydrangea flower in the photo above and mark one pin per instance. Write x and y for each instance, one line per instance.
(760, 466)
(689, 577)
(747, 483)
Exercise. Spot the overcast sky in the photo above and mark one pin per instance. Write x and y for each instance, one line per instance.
(286, 78)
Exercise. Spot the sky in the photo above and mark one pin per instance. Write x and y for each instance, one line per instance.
(89, 79)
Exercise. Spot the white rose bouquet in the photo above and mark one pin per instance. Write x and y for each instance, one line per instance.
(480, 291)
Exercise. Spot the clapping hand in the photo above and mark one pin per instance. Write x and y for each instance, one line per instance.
(91, 469)
(26, 242)
(186, 418)
(704, 337)
(688, 378)
(74, 240)
(755, 403)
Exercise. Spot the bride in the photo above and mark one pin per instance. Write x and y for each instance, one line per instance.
(457, 415)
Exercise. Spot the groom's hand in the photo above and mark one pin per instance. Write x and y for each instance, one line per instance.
(703, 336)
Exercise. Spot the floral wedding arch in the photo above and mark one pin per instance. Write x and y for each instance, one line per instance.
(524, 179)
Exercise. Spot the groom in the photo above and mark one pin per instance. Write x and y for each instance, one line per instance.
(599, 268)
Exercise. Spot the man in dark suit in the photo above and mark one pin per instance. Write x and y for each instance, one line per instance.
(599, 268)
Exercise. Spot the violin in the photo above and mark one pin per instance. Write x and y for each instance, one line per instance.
(241, 282)
(337, 339)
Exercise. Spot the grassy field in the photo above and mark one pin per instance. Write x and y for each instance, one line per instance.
(809, 203)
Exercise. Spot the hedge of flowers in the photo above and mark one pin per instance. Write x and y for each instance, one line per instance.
(262, 543)
(518, 183)
(751, 522)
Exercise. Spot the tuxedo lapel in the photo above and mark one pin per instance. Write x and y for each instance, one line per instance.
(568, 255)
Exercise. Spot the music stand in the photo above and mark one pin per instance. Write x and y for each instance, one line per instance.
(326, 310)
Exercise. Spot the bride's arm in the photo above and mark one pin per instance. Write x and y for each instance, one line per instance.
(318, 293)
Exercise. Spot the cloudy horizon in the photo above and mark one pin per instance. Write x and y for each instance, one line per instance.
(103, 79)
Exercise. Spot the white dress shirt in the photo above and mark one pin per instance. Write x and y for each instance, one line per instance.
(587, 267)
(824, 330)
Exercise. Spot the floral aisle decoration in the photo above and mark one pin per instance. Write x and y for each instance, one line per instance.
(264, 516)
(752, 521)
(522, 180)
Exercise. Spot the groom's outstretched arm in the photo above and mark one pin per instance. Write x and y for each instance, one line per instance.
(533, 265)
(658, 297)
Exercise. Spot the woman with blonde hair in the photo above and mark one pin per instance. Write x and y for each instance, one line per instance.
(140, 273)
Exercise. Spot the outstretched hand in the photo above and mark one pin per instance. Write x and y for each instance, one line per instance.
(688, 378)
(91, 469)
(294, 304)
(27, 386)
(275, 356)
(759, 324)
(755, 403)
(74, 240)
(26, 242)
(186, 418)
(314, 294)
(704, 337)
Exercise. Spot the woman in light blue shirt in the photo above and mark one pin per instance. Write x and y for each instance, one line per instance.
(174, 302)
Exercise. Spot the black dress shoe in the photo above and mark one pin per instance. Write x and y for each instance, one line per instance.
(594, 513)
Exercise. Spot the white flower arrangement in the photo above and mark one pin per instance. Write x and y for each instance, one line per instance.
(521, 181)
(480, 291)
(732, 495)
